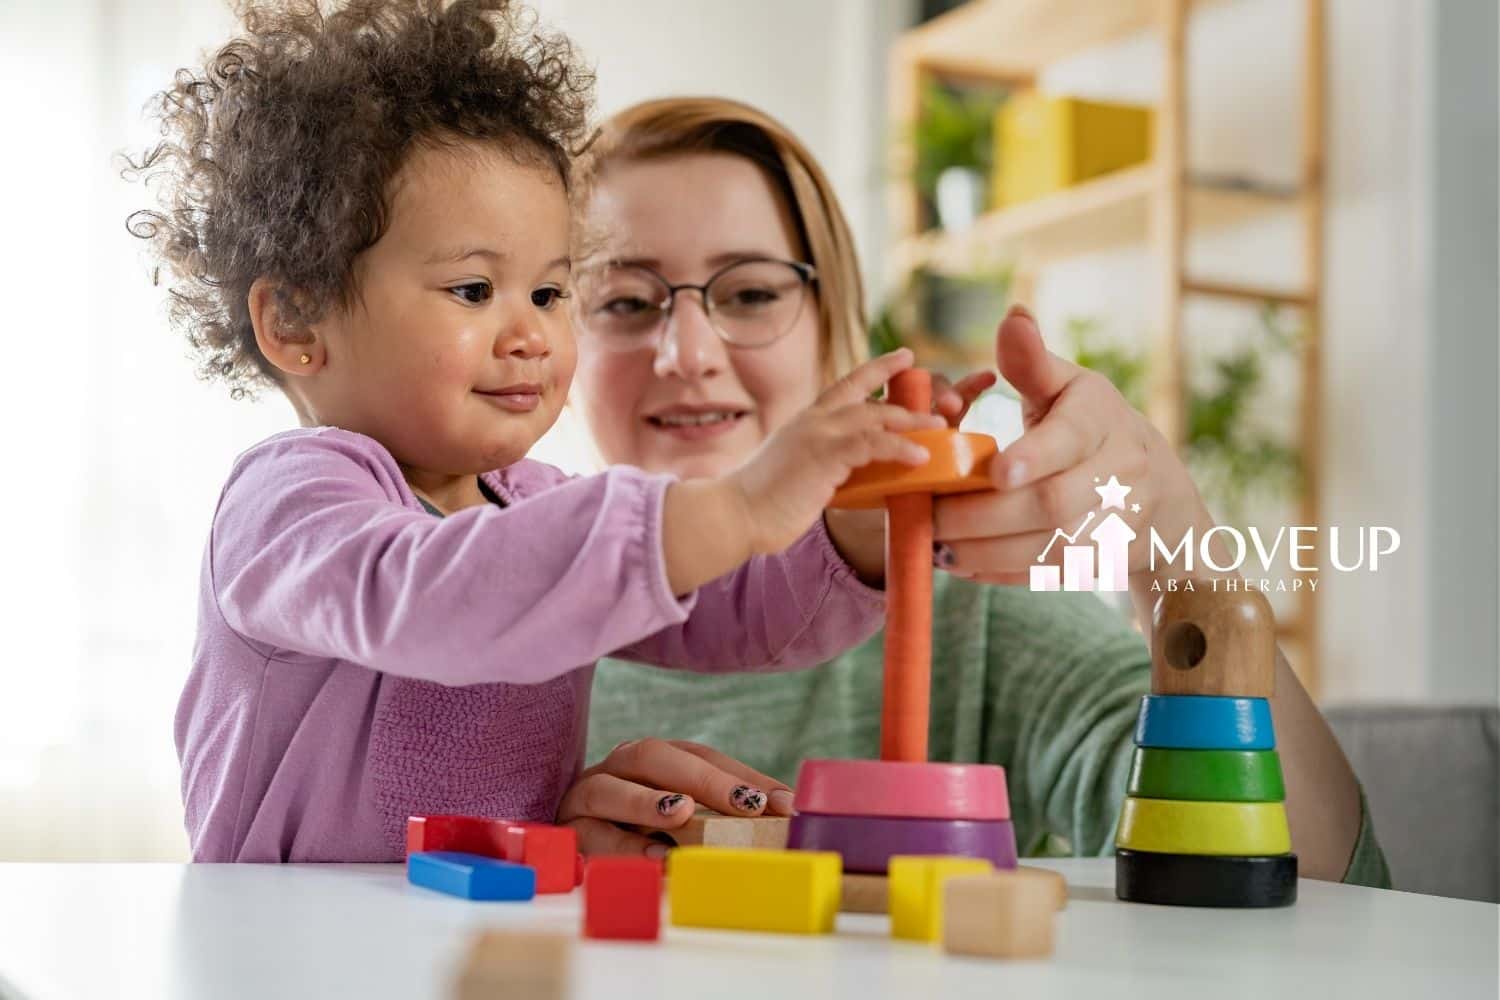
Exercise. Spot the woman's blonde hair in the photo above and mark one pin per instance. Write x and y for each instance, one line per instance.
(678, 125)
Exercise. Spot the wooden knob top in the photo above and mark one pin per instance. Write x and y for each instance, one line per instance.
(1213, 642)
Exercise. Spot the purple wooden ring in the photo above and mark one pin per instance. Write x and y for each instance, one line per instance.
(914, 790)
(867, 842)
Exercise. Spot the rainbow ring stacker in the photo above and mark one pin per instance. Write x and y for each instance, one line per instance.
(1204, 722)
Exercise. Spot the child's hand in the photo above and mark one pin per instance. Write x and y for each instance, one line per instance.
(786, 484)
(658, 784)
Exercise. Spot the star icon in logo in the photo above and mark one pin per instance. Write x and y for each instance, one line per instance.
(1112, 494)
(1135, 508)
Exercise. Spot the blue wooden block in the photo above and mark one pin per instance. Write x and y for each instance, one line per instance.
(470, 876)
(1204, 722)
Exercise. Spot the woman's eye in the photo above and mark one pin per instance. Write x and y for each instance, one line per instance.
(752, 296)
(626, 306)
(547, 297)
(473, 292)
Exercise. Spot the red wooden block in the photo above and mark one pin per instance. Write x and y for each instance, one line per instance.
(551, 850)
(622, 898)
(466, 834)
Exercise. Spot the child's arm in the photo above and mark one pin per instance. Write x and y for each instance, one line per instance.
(313, 554)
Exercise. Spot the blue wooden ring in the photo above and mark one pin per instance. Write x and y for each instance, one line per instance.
(1204, 722)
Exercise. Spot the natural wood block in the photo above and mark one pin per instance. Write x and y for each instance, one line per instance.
(515, 965)
(864, 894)
(1058, 884)
(711, 829)
(1214, 643)
(794, 892)
(916, 887)
(1167, 826)
(1006, 914)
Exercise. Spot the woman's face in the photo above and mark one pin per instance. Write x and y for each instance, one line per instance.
(689, 404)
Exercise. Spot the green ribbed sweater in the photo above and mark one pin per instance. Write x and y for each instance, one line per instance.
(1045, 684)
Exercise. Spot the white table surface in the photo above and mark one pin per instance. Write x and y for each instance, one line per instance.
(266, 931)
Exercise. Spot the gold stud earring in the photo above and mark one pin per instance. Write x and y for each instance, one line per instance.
(306, 359)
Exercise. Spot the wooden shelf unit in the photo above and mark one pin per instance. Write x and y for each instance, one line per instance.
(1008, 43)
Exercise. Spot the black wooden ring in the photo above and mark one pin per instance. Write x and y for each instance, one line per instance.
(1205, 880)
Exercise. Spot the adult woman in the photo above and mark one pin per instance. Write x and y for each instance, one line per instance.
(722, 293)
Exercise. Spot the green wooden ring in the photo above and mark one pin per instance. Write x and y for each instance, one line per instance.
(1206, 775)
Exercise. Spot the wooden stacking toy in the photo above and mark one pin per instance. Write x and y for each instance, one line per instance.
(868, 811)
(1204, 819)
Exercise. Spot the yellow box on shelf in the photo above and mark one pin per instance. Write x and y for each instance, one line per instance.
(916, 891)
(748, 889)
(1044, 144)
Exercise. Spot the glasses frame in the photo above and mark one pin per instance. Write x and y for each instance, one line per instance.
(804, 270)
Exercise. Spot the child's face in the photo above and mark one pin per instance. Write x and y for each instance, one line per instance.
(457, 352)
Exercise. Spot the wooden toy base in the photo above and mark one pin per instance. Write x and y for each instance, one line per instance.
(1203, 880)
(867, 842)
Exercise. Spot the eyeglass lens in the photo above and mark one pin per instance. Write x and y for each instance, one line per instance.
(750, 304)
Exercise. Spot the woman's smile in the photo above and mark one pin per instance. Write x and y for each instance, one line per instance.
(696, 423)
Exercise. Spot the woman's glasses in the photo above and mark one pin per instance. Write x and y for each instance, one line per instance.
(750, 303)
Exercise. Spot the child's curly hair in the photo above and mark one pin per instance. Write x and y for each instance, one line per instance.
(276, 158)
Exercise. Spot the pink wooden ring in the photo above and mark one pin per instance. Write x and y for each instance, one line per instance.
(902, 789)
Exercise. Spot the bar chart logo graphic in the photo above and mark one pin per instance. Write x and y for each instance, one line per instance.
(1103, 563)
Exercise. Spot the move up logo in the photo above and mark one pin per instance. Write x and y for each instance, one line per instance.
(1103, 561)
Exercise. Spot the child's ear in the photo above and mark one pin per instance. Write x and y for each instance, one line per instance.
(287, 343)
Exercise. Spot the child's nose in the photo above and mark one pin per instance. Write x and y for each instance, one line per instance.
(689, 346)
(522, 340)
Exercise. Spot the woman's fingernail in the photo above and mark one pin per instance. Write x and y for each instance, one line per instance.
(942, 555)
(668, 804)
(747, 799)
(781, 801)
(656, 851)
(1022, 311)
(1017, 475)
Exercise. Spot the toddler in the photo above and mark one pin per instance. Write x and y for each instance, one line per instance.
(367, 210)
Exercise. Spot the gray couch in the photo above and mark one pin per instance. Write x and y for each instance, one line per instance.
(1432, 779)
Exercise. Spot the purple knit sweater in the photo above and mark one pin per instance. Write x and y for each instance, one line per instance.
(359, 660)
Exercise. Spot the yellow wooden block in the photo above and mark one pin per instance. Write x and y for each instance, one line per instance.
(1169, 826)
(1045, 144)
(916, 891)
(794, 892)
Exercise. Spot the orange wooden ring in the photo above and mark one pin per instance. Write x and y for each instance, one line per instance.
(959, 464)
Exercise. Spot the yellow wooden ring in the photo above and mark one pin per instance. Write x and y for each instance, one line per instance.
(1169, 826)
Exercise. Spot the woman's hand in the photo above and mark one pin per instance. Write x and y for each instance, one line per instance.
(657, 784)
(1079, 432)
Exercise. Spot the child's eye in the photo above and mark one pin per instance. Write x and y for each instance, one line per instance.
(547, 296)
(474, 292)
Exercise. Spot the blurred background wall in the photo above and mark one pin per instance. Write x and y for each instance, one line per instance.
(116, 454)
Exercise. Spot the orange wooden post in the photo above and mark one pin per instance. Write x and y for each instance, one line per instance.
(908, 595)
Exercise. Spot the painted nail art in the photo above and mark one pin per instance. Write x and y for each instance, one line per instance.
(747, 799)
(668, 803)
(942, 555)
